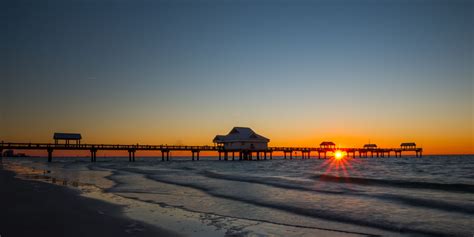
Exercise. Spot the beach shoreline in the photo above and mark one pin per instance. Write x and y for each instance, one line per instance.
(132, 216)
(33, 208)
(203, 199)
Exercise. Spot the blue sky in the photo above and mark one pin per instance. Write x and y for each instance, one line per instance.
(282, 66)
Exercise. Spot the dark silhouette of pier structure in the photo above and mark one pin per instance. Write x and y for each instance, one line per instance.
(67, 137)
(368, 150)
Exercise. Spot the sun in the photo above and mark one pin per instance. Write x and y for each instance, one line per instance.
(338, 155)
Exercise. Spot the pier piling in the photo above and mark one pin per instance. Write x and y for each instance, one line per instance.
(93, 155)
(131, 155)
(50, 155)
(195, 154)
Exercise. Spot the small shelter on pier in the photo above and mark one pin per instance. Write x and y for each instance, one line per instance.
(408, 145)
(67, 137)
(327, 145)
(370, 146)
(242, 138)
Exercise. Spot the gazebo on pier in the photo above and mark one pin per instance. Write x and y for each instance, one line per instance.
(408, 145)
(370, 146)
(327, 145)
(67, 137)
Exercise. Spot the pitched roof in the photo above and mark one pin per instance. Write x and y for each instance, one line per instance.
(370, 145)
(408, 144)
(327, 144)
(69, 136)
(240, 134)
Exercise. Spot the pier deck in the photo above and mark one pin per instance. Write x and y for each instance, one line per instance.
(165, 150)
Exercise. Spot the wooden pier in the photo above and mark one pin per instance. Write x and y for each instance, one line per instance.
(223, 154)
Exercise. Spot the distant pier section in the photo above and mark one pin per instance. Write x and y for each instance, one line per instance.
(241, 143)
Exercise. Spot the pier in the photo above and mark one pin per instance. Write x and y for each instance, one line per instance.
(222, 153)
(240, 141)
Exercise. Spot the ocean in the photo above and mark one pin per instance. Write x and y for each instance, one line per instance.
(408, 196)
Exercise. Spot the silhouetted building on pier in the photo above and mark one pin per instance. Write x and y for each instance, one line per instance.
(327, 145)
(67, 137)
(241, 138)
(370, 146)
(408, 145)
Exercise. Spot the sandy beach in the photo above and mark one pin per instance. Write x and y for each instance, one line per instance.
(30, 208)
(73, 197)
(78, 209)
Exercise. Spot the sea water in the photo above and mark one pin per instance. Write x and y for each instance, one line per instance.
(408, 196)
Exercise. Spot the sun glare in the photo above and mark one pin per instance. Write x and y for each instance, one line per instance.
(338, 155)
(338, 165)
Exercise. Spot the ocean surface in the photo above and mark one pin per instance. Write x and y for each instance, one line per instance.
(408, 196)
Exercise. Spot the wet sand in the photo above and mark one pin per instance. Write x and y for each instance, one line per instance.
(29, 208)
(81, 209)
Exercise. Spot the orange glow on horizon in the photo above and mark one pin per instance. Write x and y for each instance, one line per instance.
(431, 144)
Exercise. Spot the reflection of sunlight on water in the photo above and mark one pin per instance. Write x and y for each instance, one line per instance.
(340, 167)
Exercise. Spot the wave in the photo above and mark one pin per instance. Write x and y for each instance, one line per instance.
(270, 181)
(429, 203)
(162, 204)
(454, 187)
(186, 168)
(315, 213)
(446, 206)
(412, 201)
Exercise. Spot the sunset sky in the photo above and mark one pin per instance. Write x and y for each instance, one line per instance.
(298, 72)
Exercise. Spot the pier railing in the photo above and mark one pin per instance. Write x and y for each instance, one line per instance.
(195, 150)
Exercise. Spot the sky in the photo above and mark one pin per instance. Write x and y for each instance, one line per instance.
(298, 72)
